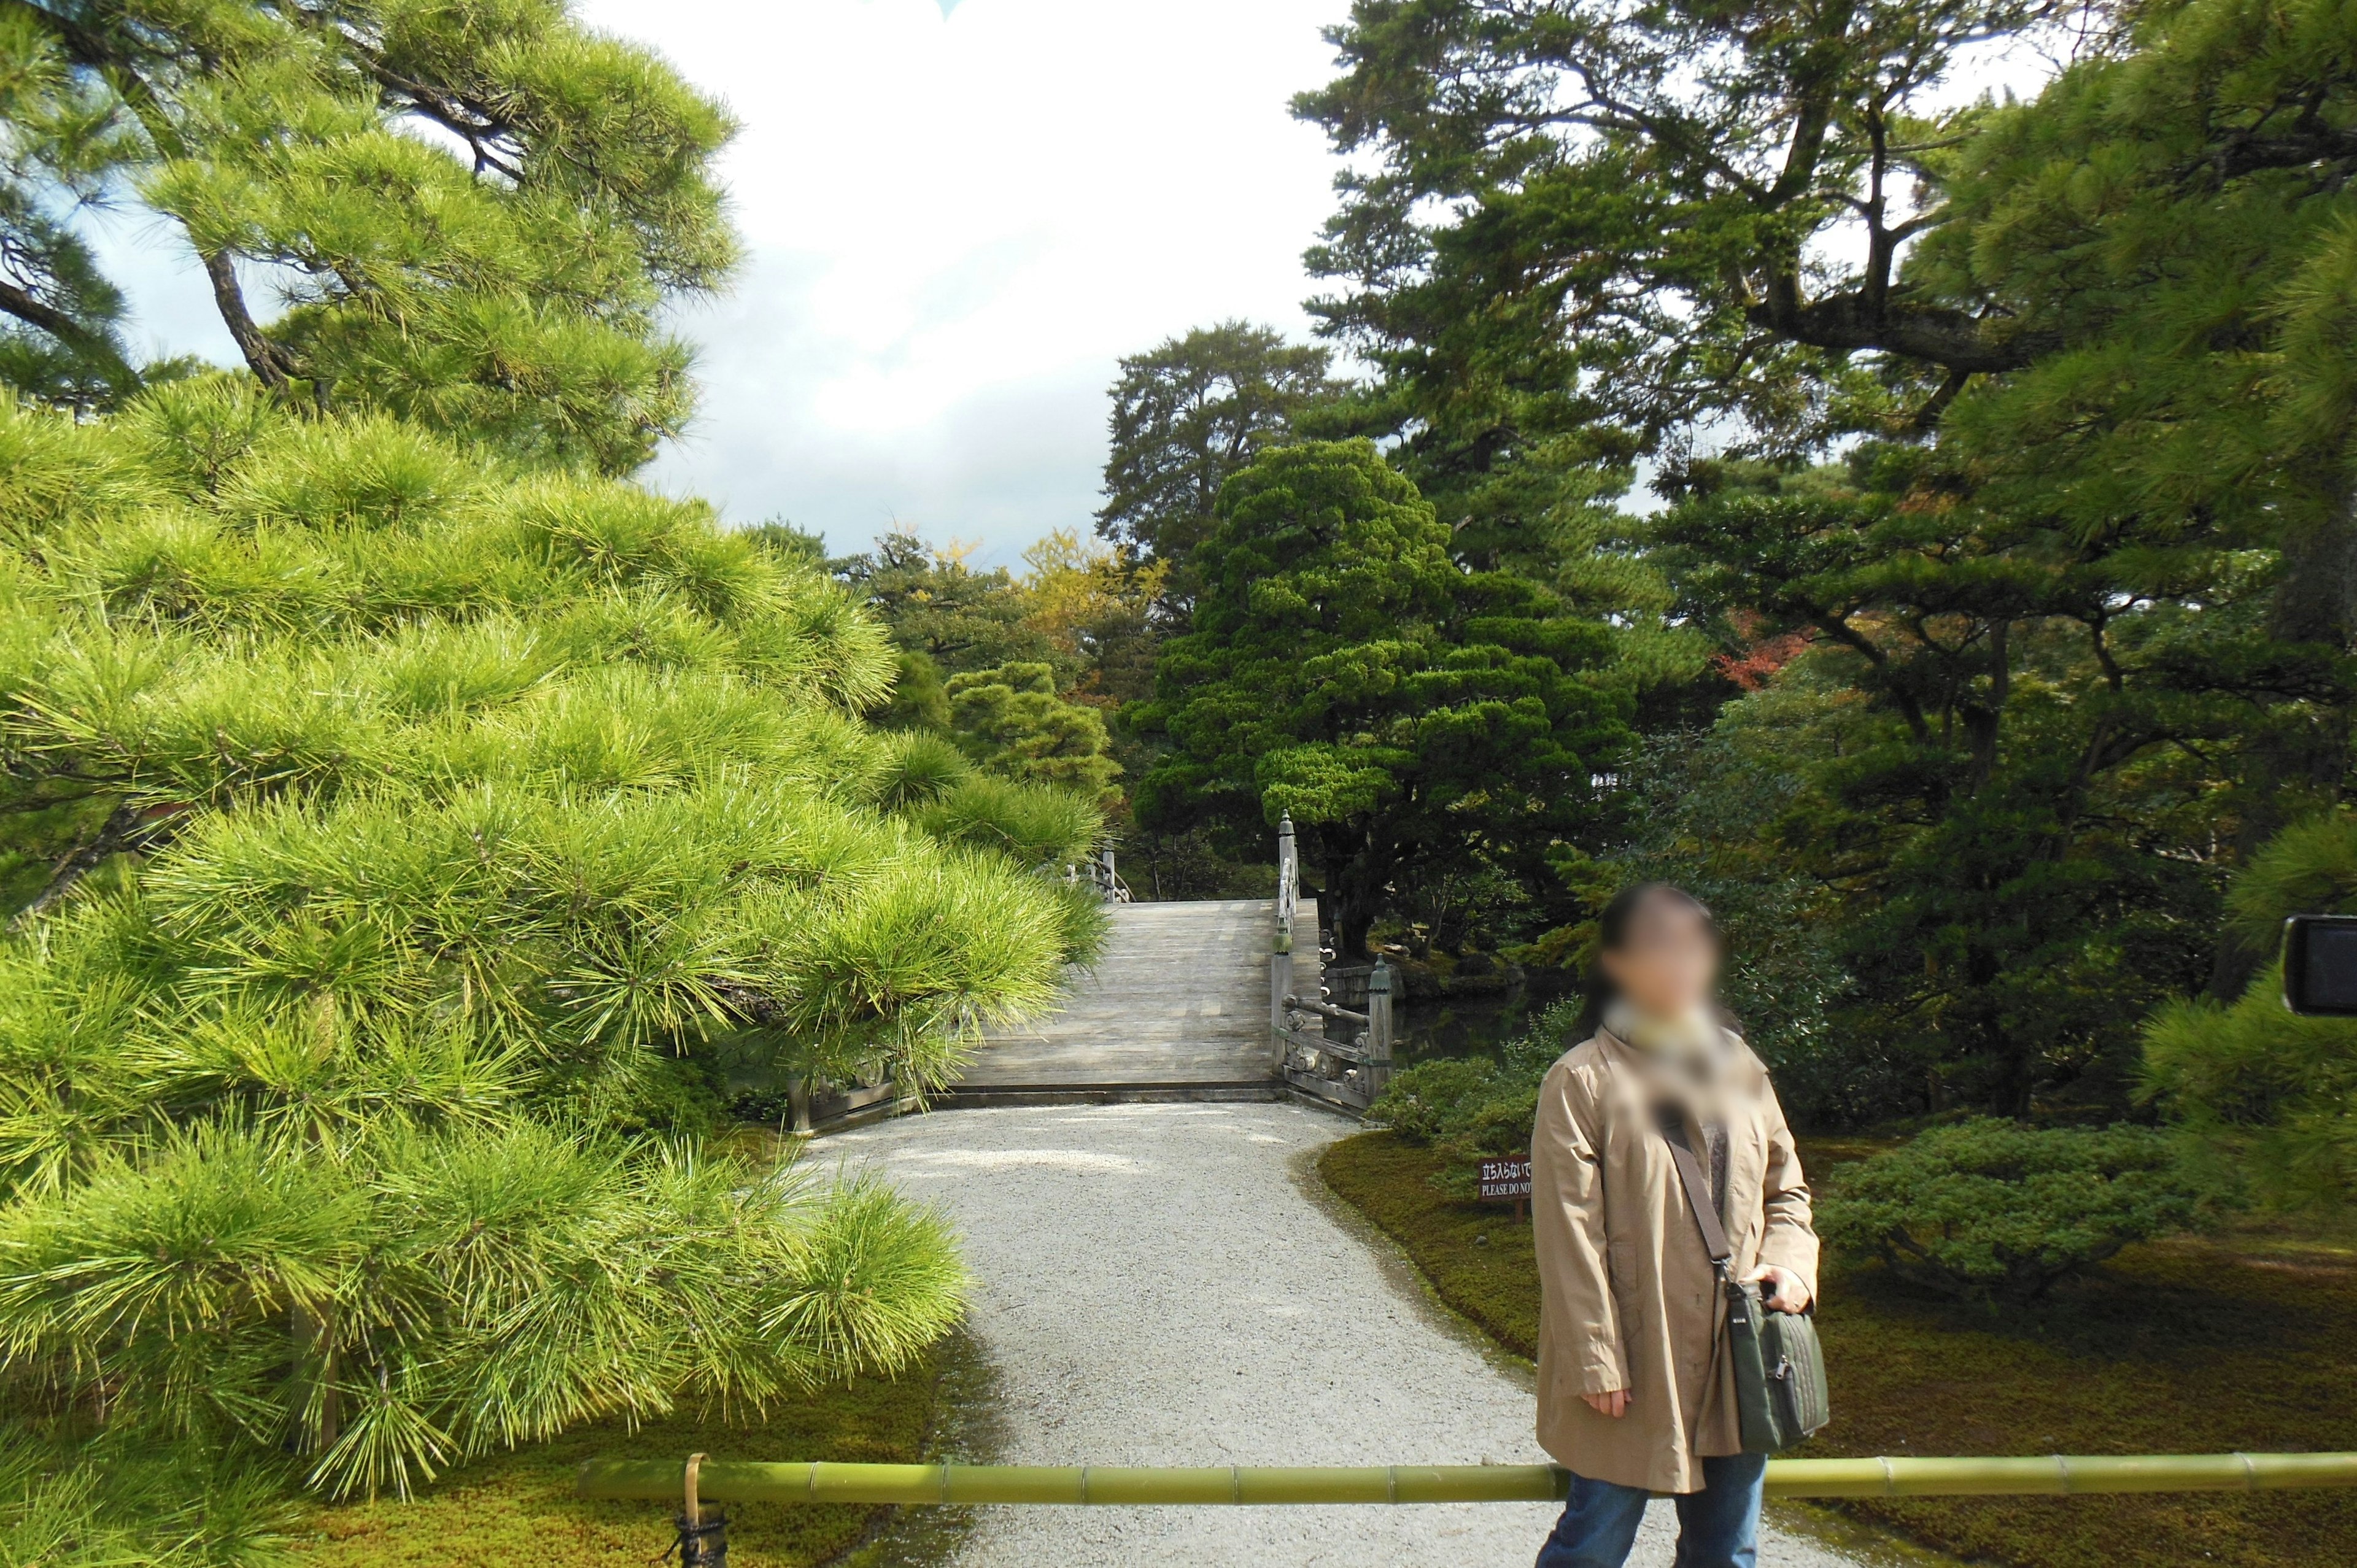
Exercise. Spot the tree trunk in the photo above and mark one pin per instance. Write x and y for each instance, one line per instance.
(2316, 599)
(1352, 920)
(1355, 892)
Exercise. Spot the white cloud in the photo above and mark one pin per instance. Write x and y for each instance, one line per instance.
(956, 226)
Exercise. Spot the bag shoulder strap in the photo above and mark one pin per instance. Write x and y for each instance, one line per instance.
(1700, 1205)
(1698, 1199)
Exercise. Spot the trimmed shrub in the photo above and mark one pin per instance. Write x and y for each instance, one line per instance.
(1011, 720)
(2270, 1097)
(1996, 1210)
(1470, 1109)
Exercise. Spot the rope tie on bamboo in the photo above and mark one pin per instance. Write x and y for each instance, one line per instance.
(2250, 1473)
(703, 1540)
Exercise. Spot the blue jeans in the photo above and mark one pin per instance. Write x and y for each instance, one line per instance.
(1718, 1527)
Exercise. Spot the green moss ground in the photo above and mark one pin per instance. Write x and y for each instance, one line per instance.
(2192, 1347)
(518, 1509)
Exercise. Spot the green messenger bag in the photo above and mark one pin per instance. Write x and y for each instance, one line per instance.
(1780, 1369)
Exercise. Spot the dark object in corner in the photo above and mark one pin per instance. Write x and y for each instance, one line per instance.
(2319, 965)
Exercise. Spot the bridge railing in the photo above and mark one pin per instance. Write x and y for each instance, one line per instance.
(1339, 1054)
(824, 1105)
(1097, 871)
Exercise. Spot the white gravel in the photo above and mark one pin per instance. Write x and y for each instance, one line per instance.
(1160, 1286)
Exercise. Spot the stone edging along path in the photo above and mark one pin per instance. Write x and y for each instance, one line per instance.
(1157, 1287)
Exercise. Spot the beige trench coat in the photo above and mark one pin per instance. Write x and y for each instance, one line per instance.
(1627, 1297)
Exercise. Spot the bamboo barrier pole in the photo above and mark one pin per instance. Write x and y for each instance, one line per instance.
(2052, 1476)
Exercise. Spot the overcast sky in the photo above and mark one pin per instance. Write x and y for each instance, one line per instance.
(956, 224)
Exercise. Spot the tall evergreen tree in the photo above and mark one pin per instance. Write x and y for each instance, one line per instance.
(2174, 225)
(1340, 668)
(1186, 414)
(2089, 580)
(2003, 746)
(959, 618)
(1558, 207)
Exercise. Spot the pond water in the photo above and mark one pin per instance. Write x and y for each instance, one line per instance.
(1467, 1026)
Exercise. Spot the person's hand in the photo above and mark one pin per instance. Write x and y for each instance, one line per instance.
(1780, 1290)
(1615, 1403)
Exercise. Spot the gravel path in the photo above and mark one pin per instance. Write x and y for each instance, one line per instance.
(1158, 1286)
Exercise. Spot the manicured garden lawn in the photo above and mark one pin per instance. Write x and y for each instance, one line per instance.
(518, 1509)
(2246, 1342)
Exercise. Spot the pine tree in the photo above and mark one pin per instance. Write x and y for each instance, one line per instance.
(2174, 224)
(474, 210)
(1411, 717)
(1011, 721)
(2084, 599)
(932, 603)
(441, 820)
(483, 816)
(1186, 414)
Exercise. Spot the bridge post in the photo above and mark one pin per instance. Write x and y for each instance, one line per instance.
(1280, 986)
(1379, 1028)
(1280, 963)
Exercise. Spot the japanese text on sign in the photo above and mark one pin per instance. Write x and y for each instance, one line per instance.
(1505, 1178)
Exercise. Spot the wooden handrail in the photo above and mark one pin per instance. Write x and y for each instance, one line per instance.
(1327, 1010)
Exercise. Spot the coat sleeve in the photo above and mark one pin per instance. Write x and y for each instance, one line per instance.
(1577, 1317)
(1790, 1240)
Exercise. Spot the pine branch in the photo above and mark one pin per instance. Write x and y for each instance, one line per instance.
(29, 308)
(123, 825)
(271, 363)
(1952, 340)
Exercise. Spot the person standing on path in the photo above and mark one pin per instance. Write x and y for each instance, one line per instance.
(1636, 1387)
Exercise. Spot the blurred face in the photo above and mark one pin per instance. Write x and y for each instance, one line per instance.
(1668, 966)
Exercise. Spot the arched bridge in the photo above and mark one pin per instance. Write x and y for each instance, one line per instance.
(1217, 999)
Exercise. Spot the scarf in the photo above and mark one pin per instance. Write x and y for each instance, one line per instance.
(1694, 1053)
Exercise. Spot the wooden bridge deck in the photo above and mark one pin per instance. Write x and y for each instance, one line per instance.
(1178, 1004)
